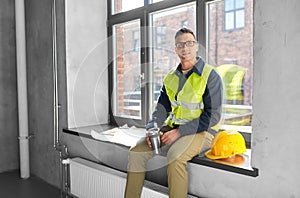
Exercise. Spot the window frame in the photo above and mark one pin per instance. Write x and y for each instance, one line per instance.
(143, 14)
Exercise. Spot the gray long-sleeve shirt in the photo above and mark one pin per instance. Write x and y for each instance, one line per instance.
(212, 100)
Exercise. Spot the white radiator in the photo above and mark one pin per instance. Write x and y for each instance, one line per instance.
(92, 180)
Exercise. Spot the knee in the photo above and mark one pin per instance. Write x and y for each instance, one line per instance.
(138, 157)
(174, 158)
(140, 152)
(171, 156)
(176, 167)
(141, 146)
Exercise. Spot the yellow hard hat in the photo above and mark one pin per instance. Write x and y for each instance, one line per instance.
(226, 144)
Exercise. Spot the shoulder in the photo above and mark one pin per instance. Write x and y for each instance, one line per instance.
(211, 70)
(214, 80)
(172, 72)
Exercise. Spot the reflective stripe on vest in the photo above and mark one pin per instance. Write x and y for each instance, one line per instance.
(189, 104)
(173, 118)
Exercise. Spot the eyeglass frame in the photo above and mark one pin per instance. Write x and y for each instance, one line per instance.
(183, 44)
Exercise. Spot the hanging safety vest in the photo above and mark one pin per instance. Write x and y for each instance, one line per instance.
(232, 77)
(188, 104)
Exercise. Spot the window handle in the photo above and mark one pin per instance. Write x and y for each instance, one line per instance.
(142, 76)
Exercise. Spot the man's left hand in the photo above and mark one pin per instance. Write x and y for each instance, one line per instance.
(170, 136)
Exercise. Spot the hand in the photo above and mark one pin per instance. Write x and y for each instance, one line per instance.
(148, 141)
(170, 136)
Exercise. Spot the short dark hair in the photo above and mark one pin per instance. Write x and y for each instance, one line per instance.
(184, 31)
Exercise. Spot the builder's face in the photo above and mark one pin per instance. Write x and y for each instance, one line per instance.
(186, 47)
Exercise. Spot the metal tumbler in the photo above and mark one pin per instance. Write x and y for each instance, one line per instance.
(154, 137)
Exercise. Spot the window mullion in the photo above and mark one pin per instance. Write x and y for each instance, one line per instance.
(201, 27)
(145, 66)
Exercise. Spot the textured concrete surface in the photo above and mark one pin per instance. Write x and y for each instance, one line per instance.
(8, 89)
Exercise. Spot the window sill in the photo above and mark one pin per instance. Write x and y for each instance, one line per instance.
(240, 164)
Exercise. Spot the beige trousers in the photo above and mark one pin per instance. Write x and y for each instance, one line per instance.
(179, 153)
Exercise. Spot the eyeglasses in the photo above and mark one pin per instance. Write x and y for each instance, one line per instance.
(187, 43)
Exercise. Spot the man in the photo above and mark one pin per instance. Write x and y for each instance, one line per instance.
(188, 111)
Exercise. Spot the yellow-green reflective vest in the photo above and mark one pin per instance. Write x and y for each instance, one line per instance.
(189, 103)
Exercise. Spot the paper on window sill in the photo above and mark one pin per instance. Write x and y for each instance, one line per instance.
(124, 136)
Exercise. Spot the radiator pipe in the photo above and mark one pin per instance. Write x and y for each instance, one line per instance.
(62, 149)
(66, 177)
(55, 87)
(22, 89)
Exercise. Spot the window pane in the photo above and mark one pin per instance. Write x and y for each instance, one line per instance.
(125, 5)
(231, 53)
(229, 5)
(127, 92)
(229, 21)
(163, 56)
(239, 4)
(161, 36)
(240, 19)
(136, 40)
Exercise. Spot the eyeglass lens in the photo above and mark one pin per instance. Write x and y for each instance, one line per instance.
(187, 43)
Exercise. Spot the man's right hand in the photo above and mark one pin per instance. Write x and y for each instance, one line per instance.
(148, 141)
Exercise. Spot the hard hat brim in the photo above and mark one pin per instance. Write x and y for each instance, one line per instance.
(211, 156)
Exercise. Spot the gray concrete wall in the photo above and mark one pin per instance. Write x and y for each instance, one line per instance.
(43, 158)
(9, 148)
(86, 62)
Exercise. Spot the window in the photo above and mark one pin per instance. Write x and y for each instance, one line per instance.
(231, 53)
(119, 6)
(136, 40)
(234, 11)
(162, 55)
(142, 52)
(126, 69)
(161, 36)
(184, 23)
